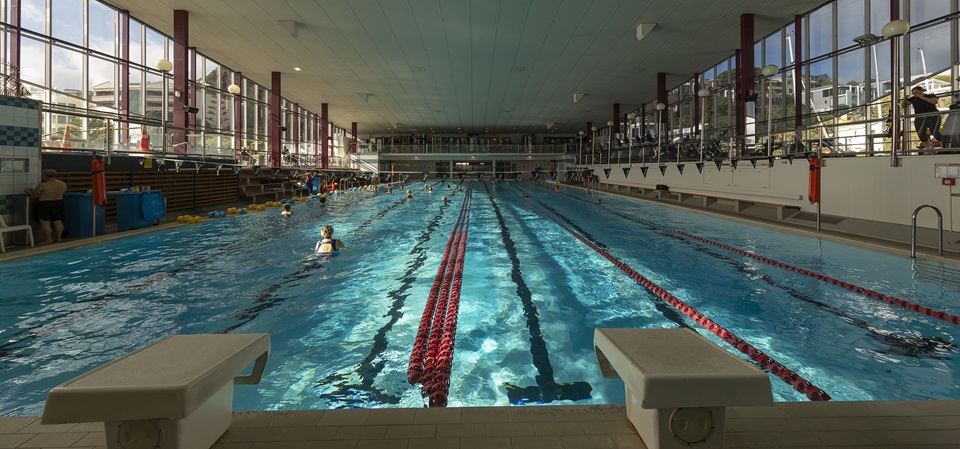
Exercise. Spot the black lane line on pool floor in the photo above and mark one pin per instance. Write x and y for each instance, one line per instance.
(547, 389)
(918, 347)
(665, 310)
(265, 299)
(367, 370)
(792, 378)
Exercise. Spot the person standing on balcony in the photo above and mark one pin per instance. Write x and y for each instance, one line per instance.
(927, 126)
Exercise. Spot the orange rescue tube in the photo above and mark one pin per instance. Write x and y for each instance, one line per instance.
(814, 193)
(99, 182)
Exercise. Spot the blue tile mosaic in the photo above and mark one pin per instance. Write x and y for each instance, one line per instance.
(19, 102)
(6, 204)
(16, 136)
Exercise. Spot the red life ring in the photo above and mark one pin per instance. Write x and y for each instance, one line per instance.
(814, 190)
(99, 182)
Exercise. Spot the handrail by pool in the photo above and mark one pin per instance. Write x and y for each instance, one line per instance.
(913, 230)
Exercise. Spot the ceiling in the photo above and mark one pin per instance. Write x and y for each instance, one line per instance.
(467, 66)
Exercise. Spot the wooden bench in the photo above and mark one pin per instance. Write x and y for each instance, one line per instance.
(176, 393)
(678, 384)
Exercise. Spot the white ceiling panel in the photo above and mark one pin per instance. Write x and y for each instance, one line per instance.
(470, 64)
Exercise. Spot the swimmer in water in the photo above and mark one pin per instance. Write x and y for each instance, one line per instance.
(328, 244)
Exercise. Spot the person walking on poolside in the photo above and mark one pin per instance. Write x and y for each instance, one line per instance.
(50, 206)
(328, 244)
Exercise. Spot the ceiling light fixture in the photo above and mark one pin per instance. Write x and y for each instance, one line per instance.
(644, 29)
(297, 69)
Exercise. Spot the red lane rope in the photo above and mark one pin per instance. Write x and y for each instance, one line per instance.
(765, 361)
(938, 314)
(431, 360)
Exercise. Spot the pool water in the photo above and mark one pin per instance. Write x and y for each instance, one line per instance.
(342, 327)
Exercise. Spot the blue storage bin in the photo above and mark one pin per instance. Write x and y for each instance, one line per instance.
(138, 209)
(78, 214)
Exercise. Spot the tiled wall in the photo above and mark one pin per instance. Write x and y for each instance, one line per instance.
(19, 139)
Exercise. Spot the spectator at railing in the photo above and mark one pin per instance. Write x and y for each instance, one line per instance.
(927, 126)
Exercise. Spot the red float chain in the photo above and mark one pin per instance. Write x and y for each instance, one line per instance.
(431, 360)
(938, 314)
(765, 361)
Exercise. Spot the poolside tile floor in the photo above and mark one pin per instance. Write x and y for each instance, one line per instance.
(847, 425)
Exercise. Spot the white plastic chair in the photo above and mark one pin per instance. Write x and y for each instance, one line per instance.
(4, 229)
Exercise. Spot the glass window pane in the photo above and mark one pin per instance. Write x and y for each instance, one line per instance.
(155, 48)
(153, 104)
(789, 42)
(880, 60)
(821, 87)
(136, 55)
(35, 71)
(790, 93)
(772, 51)
(136, 91)
(924, 10)
(66, 21)
(102, 79)
(850, 18)
(850, 79)
(67, 68)
(33, 15)
(211, 108)
(821, 31)
(879, 15)
(103, 28)
(931, 52)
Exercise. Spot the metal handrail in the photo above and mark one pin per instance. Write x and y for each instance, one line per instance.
(913, 228)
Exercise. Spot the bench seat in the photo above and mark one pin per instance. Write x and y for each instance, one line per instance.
(678, 383)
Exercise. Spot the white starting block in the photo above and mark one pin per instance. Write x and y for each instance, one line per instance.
(678, 384)
(176, 393)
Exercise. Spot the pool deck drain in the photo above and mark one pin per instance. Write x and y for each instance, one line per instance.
(875, 425)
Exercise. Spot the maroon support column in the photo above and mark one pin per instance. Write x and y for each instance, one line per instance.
(661, 117)
(274, 119)
(192, 98)
(746, 77)
(124, 79)
(181, 38)
(296, 130)
(616, 123)
(316, 139)
(696, 104)
(590, 134)
(324, 132)
(643, 121)
(798, 70)
(353, 140)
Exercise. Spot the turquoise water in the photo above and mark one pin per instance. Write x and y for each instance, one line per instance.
(342, 328)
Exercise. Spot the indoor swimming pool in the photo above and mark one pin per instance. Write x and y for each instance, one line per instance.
(540, 270)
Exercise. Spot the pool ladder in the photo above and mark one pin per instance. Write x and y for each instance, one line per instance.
(913, 230)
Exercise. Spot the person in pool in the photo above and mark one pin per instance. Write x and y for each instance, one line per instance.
(286, 210)
(328, 244)
(409, 194)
